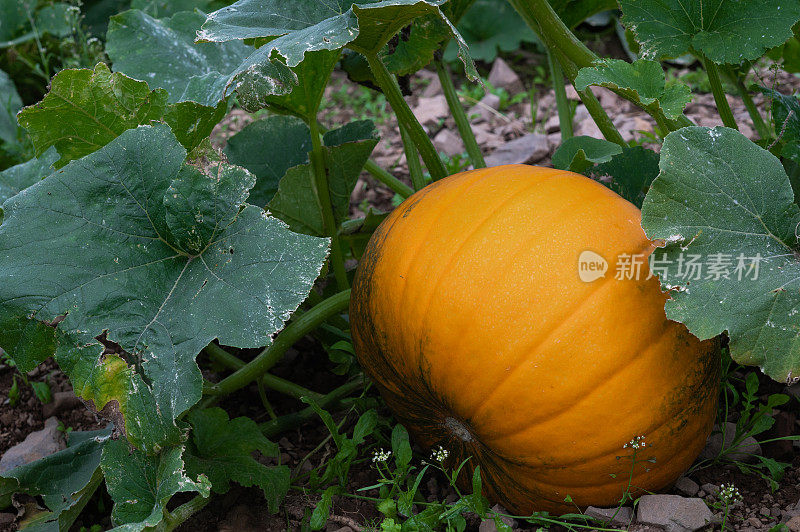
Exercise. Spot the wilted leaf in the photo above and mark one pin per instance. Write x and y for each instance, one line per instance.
(726, 31)
(141, 484)
(645, 79)
(158, 258)
(222, 449)
(728, 202)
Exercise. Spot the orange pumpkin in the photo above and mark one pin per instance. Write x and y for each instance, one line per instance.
(469, 315)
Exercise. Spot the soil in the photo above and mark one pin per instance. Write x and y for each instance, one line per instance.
(243, 509)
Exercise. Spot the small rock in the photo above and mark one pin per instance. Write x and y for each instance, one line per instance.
(526, 149)
(62, 401)
(572, 94)
(686, 486)
(482, 111)
(588, 127)
(7, 419)
(673, 512)
(448, 143)
(486, 138)
(504, 77)
(430, 110)
(744, 451)
(434, 88)
(552, 125)
(766, 512)
(35, 446)
(754, 522)
(710, 489)
(7, 518)
(621, 517)
(793, 524)
(488, 525)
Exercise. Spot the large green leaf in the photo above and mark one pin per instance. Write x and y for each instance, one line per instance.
(13, 18)
(86, 109)
(726, 31)
(727, 201)
(308, 25)
(10, 104)
(289, 142)
(50, 18)
(65, 480)
(223, 449)
(141, 484)
(13, 180)
(346, 151)
(132, 244)
(163, 53)
(645, 79)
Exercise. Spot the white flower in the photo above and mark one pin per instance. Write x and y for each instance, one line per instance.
(440, 454)
(636, 443)
(380, 455)
(728, 494)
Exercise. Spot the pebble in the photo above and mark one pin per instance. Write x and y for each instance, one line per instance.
(448, 142)
(529, 148)
(686, 486)
(793, 524)
(488, 525)
(620, 517)
(62, 401)
(501, 75)
(482, 112)
(710, 489)
(744, 451)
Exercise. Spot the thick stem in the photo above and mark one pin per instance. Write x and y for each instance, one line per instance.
(323, 195)
(723, 108)
(762, 128)
(303, 325)
(562, 104)
(179, 515)
(272, 428)
(406, 117)
(462, 123)
(601, 118)
(412, 159)
(388, 179)
(272, 382)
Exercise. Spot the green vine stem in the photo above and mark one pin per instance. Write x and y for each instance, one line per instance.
(412, 159)
(762, 128)
(272, 382)
(562, 104)
(182, 513)
(388, 179)
(723, 108)
(601, 118)
(323, 195)
(274, 427)
(259, 366)
(462, 123)
(405, 116)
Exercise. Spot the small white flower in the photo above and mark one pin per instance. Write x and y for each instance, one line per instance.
(380, 455)
(636, 443)
(728, 494)
(440, 454)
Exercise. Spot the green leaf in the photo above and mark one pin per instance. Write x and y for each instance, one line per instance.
(323, 508)
(346, 151)
(141, 484)
(415, 46)
(222, 449)
(289, 140)
(578, 154)
(167, 8)
(65, 480)
(726, 31)
(573, 12)
(645, 79)
(58, 19)
(17, 178)
(631, 173)
(86, 109)
(10, 104)
(13, 18)
(490, 26)
(163, 53)
(401, 447)
(723, 198)
(307, 25)
(158, 258)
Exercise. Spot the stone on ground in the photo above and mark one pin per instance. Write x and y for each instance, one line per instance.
(744, 451)
(35, 447)
(614, 516)
(503, 76)
(530, 148)
(673, 513)
(686, 487)
(448, 142)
